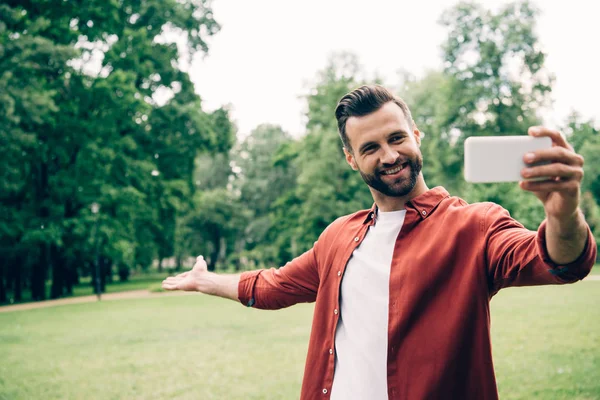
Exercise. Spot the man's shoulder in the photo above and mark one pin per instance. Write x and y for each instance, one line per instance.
(478, 210)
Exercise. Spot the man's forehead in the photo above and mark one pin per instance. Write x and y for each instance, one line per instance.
(389, 118)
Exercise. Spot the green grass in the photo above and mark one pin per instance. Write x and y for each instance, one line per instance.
(546, 343)
(545, 339)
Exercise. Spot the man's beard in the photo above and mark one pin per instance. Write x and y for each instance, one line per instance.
(401, 186)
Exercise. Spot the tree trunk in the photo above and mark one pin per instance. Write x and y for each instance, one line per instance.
(40, 266)
(58, 273)
(17, 281)
(123, 272)
(178, 262)
(105, 265)
(108, 272)
(38, 275)
(160, 264)
(68, 261)
(71, 277)
(95, 274)
(211, 266)
(3, 280)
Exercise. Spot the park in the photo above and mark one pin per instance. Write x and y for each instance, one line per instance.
(118, 168)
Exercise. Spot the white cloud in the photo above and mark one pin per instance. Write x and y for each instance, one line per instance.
(268, 51)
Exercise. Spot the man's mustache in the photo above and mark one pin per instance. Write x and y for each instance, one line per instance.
(396, 163)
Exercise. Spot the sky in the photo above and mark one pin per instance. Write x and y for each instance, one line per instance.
(268, 52)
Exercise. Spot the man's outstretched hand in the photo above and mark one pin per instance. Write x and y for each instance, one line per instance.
(189, 281)
(199, 279)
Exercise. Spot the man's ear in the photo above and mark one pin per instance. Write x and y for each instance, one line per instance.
(418, 135)
(350, 159)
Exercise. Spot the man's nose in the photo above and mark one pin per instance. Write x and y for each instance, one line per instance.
(389, 156)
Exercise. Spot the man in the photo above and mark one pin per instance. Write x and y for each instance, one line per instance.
(402, 290)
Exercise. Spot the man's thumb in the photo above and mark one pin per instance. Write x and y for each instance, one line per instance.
(200, 263)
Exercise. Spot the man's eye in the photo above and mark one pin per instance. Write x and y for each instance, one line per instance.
(396, 138)
(368, 150)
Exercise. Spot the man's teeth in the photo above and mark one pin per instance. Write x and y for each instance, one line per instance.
(393, 171)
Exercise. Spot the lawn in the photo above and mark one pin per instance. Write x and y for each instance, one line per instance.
(546, 346)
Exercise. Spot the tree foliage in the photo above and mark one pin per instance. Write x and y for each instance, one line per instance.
(96, 107)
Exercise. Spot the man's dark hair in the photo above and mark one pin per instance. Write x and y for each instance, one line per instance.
(363, 101)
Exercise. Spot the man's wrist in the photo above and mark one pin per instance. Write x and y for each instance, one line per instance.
(207, 283)
(567, 226)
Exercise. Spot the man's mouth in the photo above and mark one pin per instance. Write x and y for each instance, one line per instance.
(394, 170)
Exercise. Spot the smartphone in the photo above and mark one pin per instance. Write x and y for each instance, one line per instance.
(499, 158)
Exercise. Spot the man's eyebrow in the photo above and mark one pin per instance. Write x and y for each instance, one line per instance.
(398, 132)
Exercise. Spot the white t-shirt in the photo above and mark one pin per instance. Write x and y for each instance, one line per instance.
(361, 337)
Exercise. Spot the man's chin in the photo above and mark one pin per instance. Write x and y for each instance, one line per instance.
(400, 189)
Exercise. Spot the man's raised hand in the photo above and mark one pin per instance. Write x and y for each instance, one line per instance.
(559, 194)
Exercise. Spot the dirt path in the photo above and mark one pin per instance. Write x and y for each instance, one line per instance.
(132, 294)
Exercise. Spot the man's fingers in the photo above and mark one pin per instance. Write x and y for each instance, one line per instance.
(171, 282)
(170, 285)
(554, 170)
(555, 154)
(550, 186)
(557, 138)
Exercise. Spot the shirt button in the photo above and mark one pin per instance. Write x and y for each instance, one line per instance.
(356, 239)
(339, 273)
(324, 391)
(335, 311)
(330, 351)
(424, 212)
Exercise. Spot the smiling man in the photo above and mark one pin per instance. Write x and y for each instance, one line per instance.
(402, 290)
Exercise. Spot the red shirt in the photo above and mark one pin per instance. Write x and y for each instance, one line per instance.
(449, 259)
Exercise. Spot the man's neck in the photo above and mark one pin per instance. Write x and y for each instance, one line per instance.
(388, 203)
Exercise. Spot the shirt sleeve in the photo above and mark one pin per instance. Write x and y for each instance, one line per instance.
(296, 282)
(517, 256)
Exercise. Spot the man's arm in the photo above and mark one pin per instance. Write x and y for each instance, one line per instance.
(198, 279)
(566, 230)
(566, 238)
(563, 249)
(296, 282)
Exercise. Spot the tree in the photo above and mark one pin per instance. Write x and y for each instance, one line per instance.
(326, 186)
(260, 181)
(585, 139)
(217, 219)
(496, 83)
(428, 99)
(80, 134)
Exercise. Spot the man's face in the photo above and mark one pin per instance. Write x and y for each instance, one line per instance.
(385, 150)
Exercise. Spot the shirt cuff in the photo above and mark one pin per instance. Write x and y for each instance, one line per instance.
(580, 267)
(246, 287)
